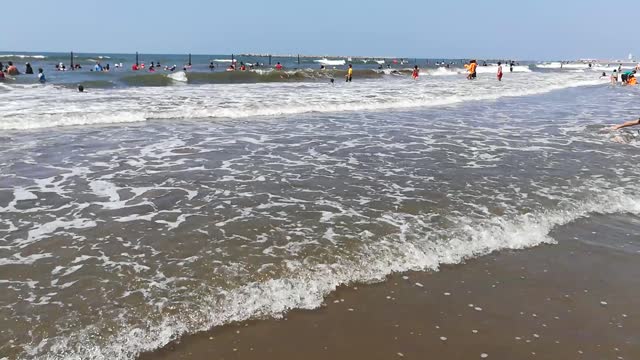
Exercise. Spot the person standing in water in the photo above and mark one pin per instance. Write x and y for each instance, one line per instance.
(471, 68)
(349, 75)
(41, 76)
(416, 72)
(499, 75)
(12, 69)
(28, 70)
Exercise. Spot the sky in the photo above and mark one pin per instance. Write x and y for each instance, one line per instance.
(525, 30)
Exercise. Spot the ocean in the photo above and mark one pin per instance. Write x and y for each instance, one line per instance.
(156, 206)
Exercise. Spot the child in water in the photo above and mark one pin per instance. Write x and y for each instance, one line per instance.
(41, 77)
(349, 75)
(416, 72)
(499, 75)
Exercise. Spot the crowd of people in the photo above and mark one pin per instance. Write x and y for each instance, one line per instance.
(12, 70)
(625, 78)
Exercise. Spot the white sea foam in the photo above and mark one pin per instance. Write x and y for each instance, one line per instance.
(31, 108)
(179, 76)
(414, 248)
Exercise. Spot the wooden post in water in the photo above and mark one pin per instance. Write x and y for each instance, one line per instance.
(232, 58)
(189, 59)
(72, 68)
(269, 60)
(137, 58)
(298, 59)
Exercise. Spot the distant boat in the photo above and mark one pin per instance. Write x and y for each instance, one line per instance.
(328, 62)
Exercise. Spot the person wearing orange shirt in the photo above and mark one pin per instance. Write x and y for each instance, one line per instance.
(471, 68)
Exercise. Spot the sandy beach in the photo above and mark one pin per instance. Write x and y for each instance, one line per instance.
(574, 300)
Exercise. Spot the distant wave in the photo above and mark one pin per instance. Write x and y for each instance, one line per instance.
(331, 62)
(12, 56)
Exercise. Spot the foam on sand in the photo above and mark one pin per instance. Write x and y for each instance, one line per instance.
(414, 247)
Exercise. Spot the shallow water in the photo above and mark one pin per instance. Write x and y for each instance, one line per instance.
(118, 238)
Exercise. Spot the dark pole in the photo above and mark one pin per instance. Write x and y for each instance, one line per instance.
(232, 58)
(298, 59)
(269, 59)
(189, 59)
(136, 58)
(72, 60)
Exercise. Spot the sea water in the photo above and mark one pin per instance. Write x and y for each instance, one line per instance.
(130, 216)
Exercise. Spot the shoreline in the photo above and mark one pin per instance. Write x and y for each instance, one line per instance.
(573, 300)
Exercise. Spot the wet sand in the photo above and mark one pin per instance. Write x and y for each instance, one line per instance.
(578, 299)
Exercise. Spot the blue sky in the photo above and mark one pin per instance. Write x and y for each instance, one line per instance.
(536, 29)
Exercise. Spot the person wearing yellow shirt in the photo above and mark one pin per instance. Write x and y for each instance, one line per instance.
(349, 75)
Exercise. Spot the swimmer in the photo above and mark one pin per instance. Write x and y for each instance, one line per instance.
(349, 75)
(41, 76)
(416, 72)
(29, 69)
(632, 80)
(80, 88)
(332, 81)
(278, 66)
(12, 69)
(499, 75)
(614, 77)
